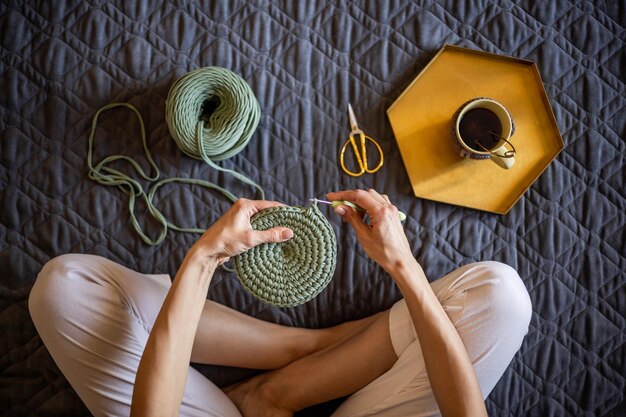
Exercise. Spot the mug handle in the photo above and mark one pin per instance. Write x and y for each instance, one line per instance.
(502, 156)
(501, 160)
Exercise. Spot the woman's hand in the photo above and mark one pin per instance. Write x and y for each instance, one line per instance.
(383, 239)
(232, 234)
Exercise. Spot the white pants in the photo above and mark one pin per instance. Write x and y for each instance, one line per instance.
(95, 316)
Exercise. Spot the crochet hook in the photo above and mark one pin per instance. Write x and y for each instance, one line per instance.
(336, 203)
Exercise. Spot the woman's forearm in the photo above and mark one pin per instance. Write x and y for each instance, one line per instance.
(162, 371)
(163, 368)
(450, 371)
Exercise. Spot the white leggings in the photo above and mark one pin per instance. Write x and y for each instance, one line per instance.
(94, 316)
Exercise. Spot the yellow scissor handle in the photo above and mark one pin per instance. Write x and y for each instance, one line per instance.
(361, 155)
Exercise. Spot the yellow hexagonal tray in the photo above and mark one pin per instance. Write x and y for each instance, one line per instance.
(421, 120)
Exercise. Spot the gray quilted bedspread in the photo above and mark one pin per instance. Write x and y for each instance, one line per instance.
(61, 61)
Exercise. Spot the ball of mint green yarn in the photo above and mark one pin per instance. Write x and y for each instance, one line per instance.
(227, 129)
(290, 273)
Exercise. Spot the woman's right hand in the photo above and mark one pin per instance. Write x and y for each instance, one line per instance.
(383, 239)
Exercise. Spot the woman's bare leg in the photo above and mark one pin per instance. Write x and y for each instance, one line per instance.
(333, 372)
(228, 337)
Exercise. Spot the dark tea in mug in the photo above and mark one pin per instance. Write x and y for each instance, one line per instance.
(482, 126)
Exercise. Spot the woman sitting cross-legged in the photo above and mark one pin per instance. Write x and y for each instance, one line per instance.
(125, 340)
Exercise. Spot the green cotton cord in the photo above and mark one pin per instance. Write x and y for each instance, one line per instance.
(228, 129)
(215, 139)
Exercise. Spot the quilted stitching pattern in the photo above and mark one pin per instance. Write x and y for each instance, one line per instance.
(60, 61)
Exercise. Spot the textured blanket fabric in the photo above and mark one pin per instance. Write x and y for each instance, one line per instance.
(61, 61)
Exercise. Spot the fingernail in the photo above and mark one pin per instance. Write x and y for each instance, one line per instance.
(340, 211)
(286, 234)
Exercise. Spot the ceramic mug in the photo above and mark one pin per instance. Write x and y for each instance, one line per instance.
(482, 128)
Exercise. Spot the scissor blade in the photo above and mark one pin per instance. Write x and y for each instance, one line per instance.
(353, 124)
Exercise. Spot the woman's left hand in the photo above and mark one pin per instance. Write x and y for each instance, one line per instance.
(233, 234)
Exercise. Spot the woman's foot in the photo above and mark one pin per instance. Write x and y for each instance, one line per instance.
(252, 399)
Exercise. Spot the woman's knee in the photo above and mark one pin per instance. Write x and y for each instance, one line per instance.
(504, 295)
(52, 286)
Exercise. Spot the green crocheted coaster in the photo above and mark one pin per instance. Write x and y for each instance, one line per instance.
(290, 273)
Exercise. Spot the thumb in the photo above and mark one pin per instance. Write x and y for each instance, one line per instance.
(273, 235)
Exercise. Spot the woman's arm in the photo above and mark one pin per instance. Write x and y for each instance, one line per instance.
(163, 368)
(449, 368)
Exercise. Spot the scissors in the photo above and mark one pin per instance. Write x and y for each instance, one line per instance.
(357, 134)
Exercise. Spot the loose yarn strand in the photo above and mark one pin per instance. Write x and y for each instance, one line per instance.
(235, 174)
(227, 131)
(105, 175)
